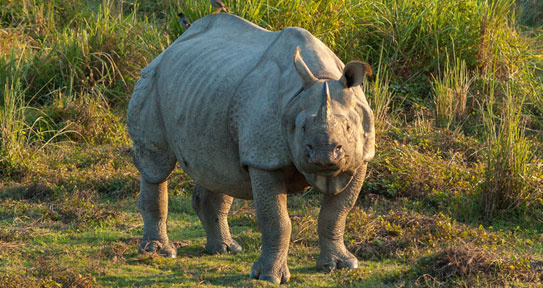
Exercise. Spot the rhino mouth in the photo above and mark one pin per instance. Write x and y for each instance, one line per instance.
(328, 184)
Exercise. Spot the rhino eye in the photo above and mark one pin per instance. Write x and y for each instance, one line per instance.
(348, 127)
(303, 127)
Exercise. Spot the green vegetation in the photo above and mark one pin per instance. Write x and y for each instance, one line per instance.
(454, 196)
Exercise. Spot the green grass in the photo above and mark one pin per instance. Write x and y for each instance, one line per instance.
(451, 93)
(454, 196)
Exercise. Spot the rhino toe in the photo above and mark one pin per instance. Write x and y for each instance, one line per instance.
(329, 265)
(271, 279)
(164, 248)
(349, 264)
(222, 247)
(234, 247)
(264, 270)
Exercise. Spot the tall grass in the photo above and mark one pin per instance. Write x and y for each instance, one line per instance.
(532, 12)
(107, 43)
(379, 94)
(451, 93)
(63, 64)
(97, 47)
(23, 129)
(12, 116)
(510, 171)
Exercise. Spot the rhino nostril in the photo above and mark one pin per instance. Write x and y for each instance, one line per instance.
(310, 151)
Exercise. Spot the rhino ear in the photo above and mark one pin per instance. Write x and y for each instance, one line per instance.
(368, 137)
(354, 72)
(307, 77)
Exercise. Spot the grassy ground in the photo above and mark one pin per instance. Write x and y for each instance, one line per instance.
(454, 196)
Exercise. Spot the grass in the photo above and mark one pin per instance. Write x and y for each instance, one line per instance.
(451, 94)
(454, 196)
(510, 169)
(380, 94)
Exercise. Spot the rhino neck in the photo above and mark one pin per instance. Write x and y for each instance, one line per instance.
(330, 185)
(288, 116)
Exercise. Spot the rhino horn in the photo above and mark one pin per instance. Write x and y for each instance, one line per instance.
(324, 110)
(307, 77)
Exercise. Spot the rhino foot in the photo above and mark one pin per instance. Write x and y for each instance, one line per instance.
(222, 247)
(329, 263)
(266, 270)
(164, 248)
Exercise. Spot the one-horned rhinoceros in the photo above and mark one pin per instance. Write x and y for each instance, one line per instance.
(251, 114)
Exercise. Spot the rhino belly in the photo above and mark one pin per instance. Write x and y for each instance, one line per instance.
(213, 165)
(201, 142)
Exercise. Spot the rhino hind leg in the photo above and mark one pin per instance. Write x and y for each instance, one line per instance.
(153, 206)
(212, 209)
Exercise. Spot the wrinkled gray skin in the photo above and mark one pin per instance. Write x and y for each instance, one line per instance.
(251, 114)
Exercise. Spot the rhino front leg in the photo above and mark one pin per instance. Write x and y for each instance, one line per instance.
(270, 200)
(212, 209)
(153, 206)
(334, 210)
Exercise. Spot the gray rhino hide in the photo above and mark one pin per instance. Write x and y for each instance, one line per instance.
(214, 99)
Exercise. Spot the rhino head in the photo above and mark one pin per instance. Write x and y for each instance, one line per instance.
(329, 127)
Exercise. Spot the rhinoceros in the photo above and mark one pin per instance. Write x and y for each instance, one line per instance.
(251, 114)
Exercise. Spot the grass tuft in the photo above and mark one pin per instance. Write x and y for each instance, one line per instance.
(451, 94)
(466, 263)
(510, 172)
(380, 94)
